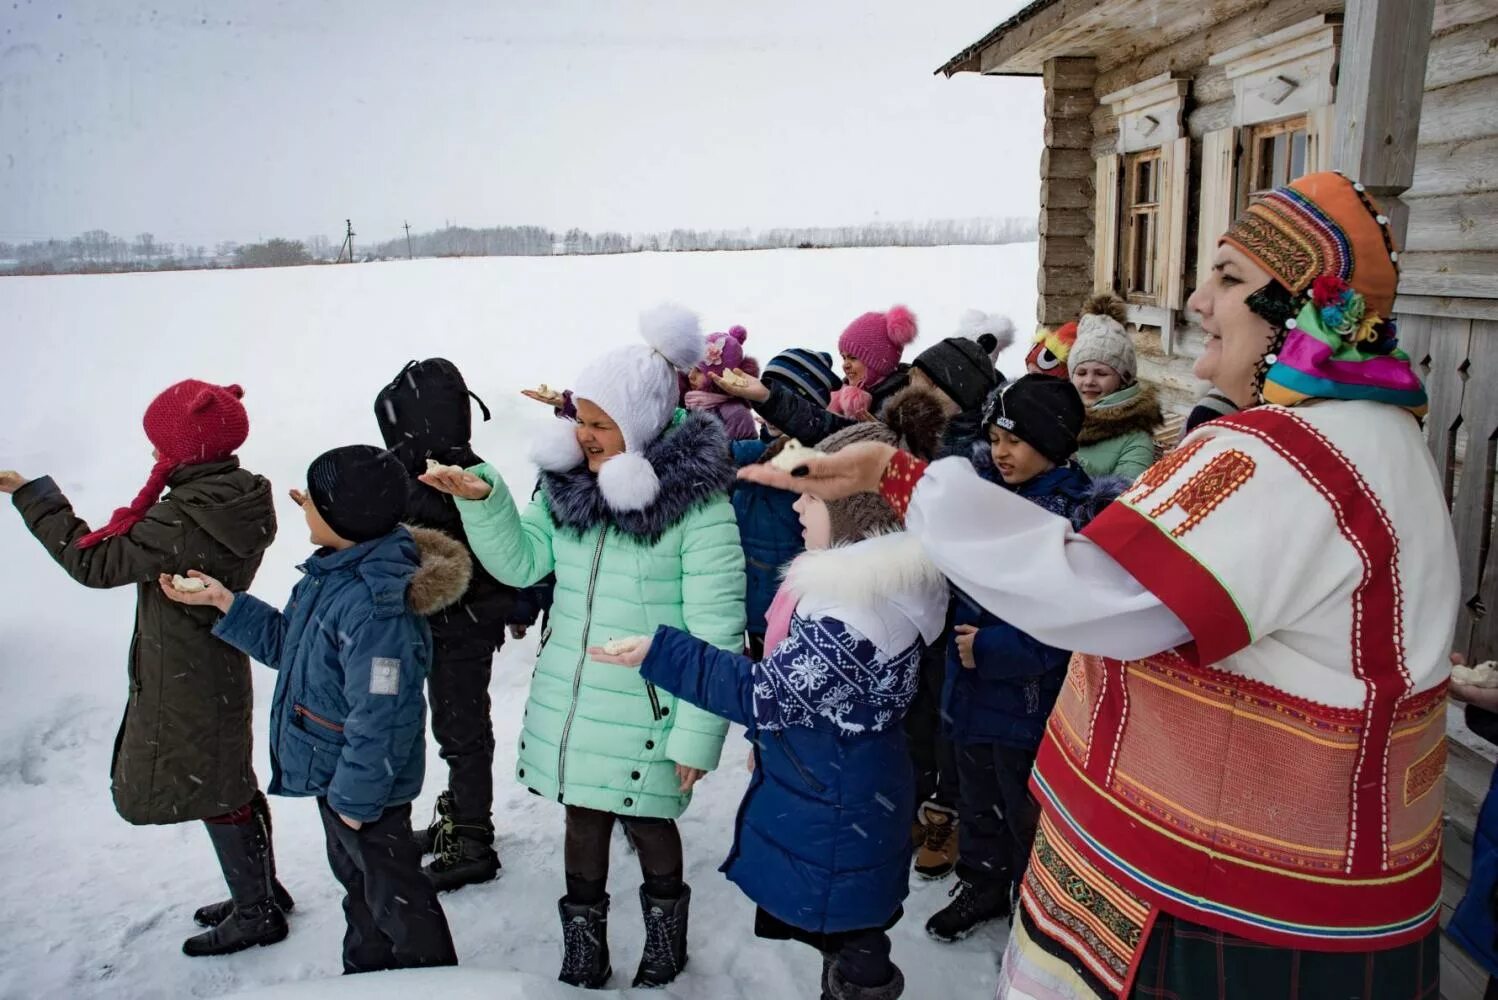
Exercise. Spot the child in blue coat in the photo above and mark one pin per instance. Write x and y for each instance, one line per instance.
(348, 719)
(822, 842)
(1000, 683)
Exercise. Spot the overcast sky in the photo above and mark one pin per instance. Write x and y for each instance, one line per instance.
(245, 119)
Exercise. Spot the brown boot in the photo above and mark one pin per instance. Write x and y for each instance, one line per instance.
(936, 856)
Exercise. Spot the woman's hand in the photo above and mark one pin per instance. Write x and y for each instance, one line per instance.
(11, 480)
(1471, 694)
(459, 484)
(965, 636)
(753, 389)
(626, 652)
(689, 776)
(213, 592)
(856, 469)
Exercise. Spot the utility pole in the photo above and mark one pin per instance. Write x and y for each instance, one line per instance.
(408, 241)
(348, 242)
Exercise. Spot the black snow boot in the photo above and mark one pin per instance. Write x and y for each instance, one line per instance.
(665, 938)
(215, 913)
(839, 988)
(585, 944)
(973, 906)
(254, 918)
(426, 839)
(465, 855)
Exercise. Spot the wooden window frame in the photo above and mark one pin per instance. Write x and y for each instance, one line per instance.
(1252, 137)
(1136, 217)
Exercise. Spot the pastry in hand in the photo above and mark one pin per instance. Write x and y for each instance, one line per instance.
(793, 456)
(187, 584)
(1484, 675)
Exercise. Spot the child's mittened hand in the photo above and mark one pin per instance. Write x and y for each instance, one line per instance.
(211, 592)
(965, 637)
(622, 652)
(462, 484)
(741, 385)
(11, 480)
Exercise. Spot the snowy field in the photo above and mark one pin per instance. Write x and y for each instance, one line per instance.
(94, 907)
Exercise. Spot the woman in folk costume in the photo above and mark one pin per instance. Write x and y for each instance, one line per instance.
(633, 517)
(1241, 783)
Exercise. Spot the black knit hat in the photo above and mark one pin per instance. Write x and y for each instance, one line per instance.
(360, 490)
(961, 368)
(1043, 411)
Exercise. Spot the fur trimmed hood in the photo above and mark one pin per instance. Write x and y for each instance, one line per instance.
(1136, 408)
(687, 465)
(886, 569)
(445, 572)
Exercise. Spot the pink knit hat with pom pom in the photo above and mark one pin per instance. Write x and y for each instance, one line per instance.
(878, 339)
(725, 351)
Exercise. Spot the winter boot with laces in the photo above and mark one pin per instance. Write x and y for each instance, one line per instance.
(585, 944)
(427, 839)
(665, 938)
(973, 906)
(215, 913)
(254, 918)
(937, 855)
(839, 988)
(465, 855)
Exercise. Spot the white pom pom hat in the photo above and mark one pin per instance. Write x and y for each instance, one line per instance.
(637, 387)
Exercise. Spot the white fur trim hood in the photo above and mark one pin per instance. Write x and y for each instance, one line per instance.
(860, 584)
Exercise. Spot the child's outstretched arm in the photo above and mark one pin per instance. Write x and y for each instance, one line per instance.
(382, 679)
(716, 681)
(152, 546)
(249, 624)
(515, 548)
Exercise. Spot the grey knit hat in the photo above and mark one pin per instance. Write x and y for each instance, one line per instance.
(911, 420)
(1103, 339)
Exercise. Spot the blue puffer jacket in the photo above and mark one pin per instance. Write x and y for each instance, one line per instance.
(822, 839)
(1008, 697)
(1474, 926)
(348, 719)
(770, 531)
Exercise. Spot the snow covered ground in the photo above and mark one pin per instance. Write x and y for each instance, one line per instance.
(96, 908)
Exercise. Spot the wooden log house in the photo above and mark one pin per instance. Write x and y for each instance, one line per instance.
(1162, 117)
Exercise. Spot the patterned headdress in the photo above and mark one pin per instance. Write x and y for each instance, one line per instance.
(1326, 242)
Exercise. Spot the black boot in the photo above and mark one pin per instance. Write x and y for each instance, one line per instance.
(426, 839)
(665, 938)
(465, 855)
(973, 906)
(215, 913)
(254, 919)
(839, 988)
(585, 943)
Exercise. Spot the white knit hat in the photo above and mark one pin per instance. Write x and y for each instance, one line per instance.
(637, 387)
(992, 331)
(1103, 338)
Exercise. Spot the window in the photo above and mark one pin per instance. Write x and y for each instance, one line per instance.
(1276, 155)
(1141, 218)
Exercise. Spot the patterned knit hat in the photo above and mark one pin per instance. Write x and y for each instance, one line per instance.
(725, 351)
(637, 387)
(809, 374)
(189, 423)
(878, 340)
(1326, 242)
(1103, 340)
(912, 420)
(1322, 224)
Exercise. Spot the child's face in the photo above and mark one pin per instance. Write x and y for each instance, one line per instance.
(816, 523)
(320, 534)
(1094, 380)
(854, 371)
(697, 379)
(1016, 461)
(597, 434)
(922, 381)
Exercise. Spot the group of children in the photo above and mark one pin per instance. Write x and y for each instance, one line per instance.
(874, 694)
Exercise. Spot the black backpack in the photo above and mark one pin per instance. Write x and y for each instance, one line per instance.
(424, 413)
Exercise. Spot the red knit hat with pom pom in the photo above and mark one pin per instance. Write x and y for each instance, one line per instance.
(189, 423)
(878, 340)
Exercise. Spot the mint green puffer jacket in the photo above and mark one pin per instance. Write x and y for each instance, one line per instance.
(596, 735)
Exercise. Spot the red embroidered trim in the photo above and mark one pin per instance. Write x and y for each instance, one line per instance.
(1158, 474)
(1207, 488)
(899, 479)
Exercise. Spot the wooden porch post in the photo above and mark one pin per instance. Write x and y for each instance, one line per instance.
(1066, 196)
(1380, 85)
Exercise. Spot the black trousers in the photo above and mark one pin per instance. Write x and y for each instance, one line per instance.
(585, 854)
(394, 918)
(861, 956)
(998, 815)
(458, 689)
(936, 775)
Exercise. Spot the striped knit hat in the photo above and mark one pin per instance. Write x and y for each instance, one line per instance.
(809, 374)
(1329, 245)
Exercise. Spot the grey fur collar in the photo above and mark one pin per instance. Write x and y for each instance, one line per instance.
(445, 572)
(692, 462)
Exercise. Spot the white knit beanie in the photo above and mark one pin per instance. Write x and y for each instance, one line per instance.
(1103, 338)
(992, 331)
(637, 387)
